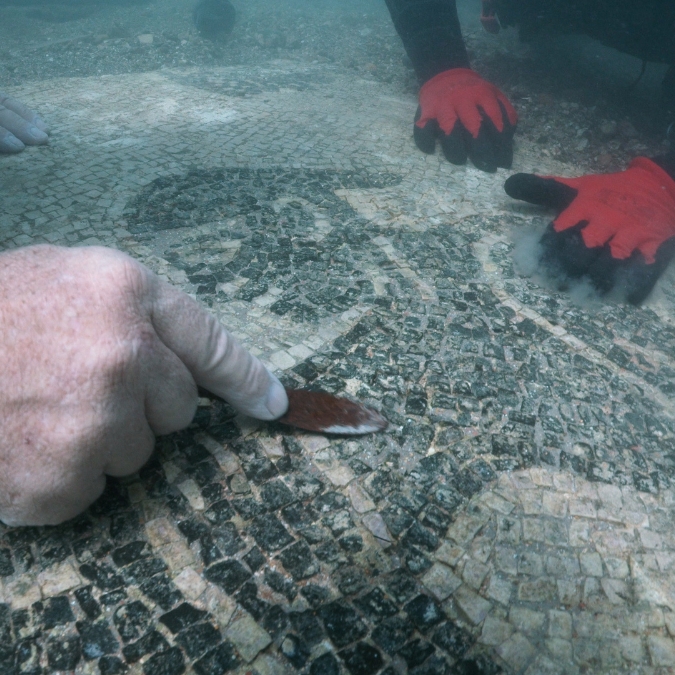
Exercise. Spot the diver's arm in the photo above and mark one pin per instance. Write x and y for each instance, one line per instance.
(431, 35)
(469, 116)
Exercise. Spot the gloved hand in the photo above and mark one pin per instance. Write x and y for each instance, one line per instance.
(470, 116)
(98, 356)
(617, 229)
(19, 126)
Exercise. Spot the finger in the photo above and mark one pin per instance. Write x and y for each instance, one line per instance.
(9, 143)
(603, 270)
(483, 149)
(23, 130)
(171, 391)
(213, 356)
(541, 191)
(637, 278)
(566, 252)
(23, 111)
(455, 144)
(491, 109)
(425, 137)
(504, 142)
(131, 440)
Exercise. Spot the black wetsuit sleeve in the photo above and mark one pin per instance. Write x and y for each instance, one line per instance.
(431, 35)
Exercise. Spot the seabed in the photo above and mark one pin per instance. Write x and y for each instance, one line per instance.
(516, 517)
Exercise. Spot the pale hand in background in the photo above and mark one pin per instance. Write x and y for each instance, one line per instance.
(19, 126)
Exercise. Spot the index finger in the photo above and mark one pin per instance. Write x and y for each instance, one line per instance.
(216, 360)
(23, 111)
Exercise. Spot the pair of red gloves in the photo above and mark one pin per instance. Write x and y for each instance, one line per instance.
(616, 229)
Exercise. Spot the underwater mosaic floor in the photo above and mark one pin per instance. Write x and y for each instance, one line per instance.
(517, 516)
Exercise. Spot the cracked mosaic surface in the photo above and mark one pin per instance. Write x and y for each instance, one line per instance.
(515, 518)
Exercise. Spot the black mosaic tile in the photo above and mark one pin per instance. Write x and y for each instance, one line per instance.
(248, 598)
(97, 639)
(151, 643)
(132, 620)
(113, 598)
(112, 665)
(182, 616)
(130, 553)
(314, 594)
(362, 659)
(306, 624)
(342, 623)
(299, 516)
(393, 632)
(376, 605)
(229, 575)
(420, 537)
(416, 652)
(248, 508)
(330, 501)
(416, 561)
(281, 584)
(295, 650)
(219, 512)
(209, 549)
(125, 526)
(454, 640)
(144, 569)
(52, 548)
(299, 561)
(275, 621)
(350, 579)
(198, 639)
(338, 522)
(220, 660)
(24, 623)
(351, 543)
(170, 662)
(325, 665)
(424, 612)
(437, 665)
(56, 612)
(254, 559)
(27, 655)
(276, 494)
(5, 624)
(102, 575)
(6, 564)
(213, 492)
(227, 539)
(87, 602)
(269, 533)
(161, 590)
(64, 653)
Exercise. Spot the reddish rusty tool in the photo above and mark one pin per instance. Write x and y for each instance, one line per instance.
(328, 414)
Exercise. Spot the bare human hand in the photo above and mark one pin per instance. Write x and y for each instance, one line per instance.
(19, 126)
(100, 355)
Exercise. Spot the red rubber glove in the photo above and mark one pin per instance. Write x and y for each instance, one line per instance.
(614, 228)
(470, 116)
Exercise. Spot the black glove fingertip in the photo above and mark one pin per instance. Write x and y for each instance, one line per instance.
(425, 137)
(565, 253)
(541, 191)
(639, 278)
(454, 144)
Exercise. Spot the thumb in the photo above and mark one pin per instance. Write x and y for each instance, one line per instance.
(216, 360)
(541, 191)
